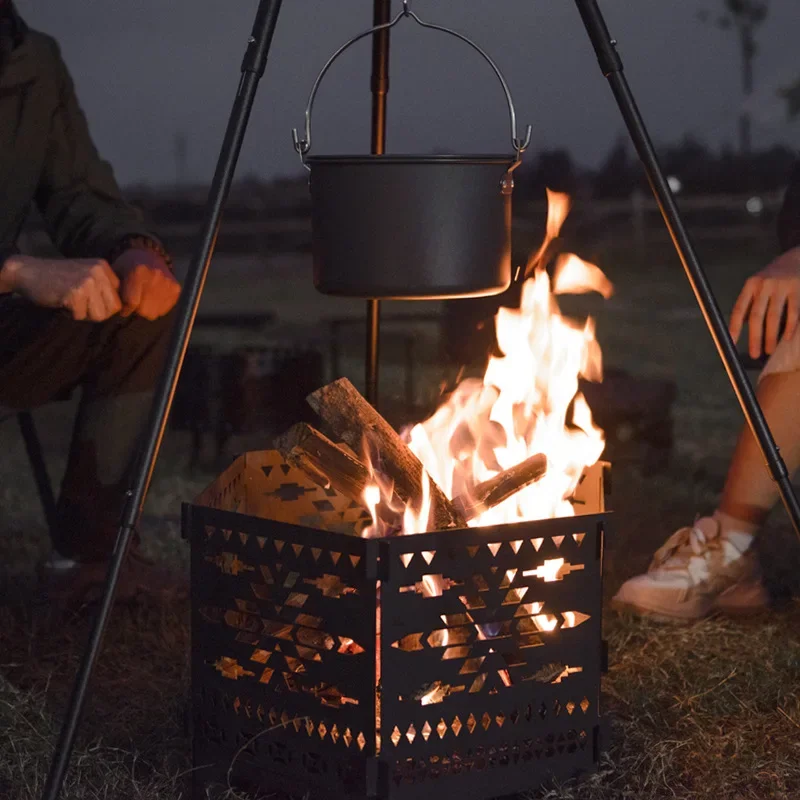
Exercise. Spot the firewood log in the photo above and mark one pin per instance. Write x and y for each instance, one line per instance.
(353, 419)
(496, 490)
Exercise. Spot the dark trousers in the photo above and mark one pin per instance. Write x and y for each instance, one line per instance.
(45, 353)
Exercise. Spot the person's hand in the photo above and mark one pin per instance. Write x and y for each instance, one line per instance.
(763, 301)
(85, 286)
(149, 288)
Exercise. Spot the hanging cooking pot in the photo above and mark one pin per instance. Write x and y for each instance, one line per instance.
(411, 227)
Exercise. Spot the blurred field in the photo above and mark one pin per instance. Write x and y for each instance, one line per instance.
(708, 711)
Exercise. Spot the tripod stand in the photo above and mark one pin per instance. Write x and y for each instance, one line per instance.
(253, 67)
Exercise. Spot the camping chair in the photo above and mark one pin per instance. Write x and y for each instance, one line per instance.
(33, 447)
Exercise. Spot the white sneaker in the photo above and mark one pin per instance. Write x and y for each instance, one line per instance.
(695, 573)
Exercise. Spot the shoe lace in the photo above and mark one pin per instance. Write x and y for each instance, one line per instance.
(685, 544)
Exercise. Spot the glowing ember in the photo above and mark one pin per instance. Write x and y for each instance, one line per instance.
(528, 402)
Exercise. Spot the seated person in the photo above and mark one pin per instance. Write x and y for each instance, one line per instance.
(710, 565)
(98, 318)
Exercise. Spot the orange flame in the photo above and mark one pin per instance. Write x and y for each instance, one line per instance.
(528, 401)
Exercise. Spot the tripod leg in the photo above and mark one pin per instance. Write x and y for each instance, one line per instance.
(382, 10)
(611, 65)
(253, 67)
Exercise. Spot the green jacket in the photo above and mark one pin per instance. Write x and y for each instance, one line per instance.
(47, 157)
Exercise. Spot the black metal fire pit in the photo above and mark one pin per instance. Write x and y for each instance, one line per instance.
(326, 663)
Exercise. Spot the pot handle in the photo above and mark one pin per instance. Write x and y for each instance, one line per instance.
(303, 146)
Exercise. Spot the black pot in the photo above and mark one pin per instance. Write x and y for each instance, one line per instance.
(411, 227)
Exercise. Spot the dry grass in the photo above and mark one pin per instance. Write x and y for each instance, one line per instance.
(705, 711)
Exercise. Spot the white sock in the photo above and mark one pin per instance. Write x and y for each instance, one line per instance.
(737, 533)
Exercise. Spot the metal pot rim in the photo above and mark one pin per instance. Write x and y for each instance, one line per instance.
(487, 160)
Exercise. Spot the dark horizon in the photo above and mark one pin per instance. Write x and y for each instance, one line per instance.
(148, 72)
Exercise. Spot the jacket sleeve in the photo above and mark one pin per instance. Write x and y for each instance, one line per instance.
(77, 194)
(789, 216)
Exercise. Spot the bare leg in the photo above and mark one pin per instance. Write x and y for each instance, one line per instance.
(749, 491)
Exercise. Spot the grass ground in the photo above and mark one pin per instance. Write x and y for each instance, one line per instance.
(707, 711)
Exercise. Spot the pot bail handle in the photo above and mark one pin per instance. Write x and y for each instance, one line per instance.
(303, 146)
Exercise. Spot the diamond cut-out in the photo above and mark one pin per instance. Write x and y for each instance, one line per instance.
(347, 737)
(396, 736)
(456, 726)
(456, 619)
(477, 684)
(514, 716)
(441, 728)
(570, 706)
(508, 579)
(486, 720)
(556, 707)
(514, 595)
(500, 719)
(426, 731)
(585, 704)
(361, 741)
(573, 618)
(266, 675)
(471, 723)
(456, 652)
(411, 733)
(471, 665)
(322, 730)
(543, 711)
(309, 726)
(335, 734)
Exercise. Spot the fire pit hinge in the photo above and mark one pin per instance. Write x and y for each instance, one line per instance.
(377, 563)
(600, 541)
(377, 775)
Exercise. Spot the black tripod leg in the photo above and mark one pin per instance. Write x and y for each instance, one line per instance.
(253, 66)
(611, 64)
(382, 11)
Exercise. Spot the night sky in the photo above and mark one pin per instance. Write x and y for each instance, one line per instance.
(145, 70)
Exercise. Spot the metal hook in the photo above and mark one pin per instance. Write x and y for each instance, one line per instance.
(302, 145)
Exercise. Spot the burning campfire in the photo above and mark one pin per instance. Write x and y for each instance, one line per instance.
(431, 599)
(510, 447)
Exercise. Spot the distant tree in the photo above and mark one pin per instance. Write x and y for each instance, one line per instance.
(744, 17)
(791, 94)
(691, 162)
(619, 173)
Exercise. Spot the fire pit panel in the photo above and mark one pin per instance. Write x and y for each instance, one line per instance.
(491, 656)
(486, 643)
